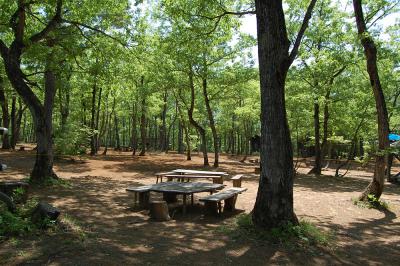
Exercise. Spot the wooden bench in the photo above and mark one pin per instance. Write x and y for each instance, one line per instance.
(237, 180)
(181, 178)
(229, 196)
(144, 195)
(161, 175)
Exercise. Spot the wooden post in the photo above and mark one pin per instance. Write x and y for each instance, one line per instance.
(230, 203)
(144, 198)
(159, 211)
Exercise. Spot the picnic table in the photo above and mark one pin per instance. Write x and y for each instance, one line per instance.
(181, 174)
(171, 189)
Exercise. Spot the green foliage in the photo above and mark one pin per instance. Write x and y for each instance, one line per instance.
(18, 194)
(303, 235)
(74, 141)
(372, 202)
(18, 223)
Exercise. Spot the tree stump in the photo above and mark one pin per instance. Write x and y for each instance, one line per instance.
(159, 211)
(44, 211)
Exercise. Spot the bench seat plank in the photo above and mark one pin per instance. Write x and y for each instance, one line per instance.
(139, 189)
(223, 195)
(236, 177)
(191, 176)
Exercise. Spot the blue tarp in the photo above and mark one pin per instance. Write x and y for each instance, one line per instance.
(394, 137)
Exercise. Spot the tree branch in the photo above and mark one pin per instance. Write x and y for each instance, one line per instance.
(303, 28)
(79, 24)
(50, 26)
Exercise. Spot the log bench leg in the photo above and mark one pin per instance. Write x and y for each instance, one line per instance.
(144, 198)
(192, 201)
(230, 203)
(170, 197)
(211, 207)
(218, 180)
(184, 203)
(159, 211)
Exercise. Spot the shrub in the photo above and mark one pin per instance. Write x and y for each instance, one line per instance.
(74, 141)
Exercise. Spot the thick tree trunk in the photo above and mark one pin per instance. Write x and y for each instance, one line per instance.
(199, 128)
(376, 186)
(274, 202)
(212, 123)
(43, 167)
(5, 114)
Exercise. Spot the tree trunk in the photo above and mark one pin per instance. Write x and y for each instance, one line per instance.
(43, 167)
(317, 167)
(212, 123)
(163, 129)
(92, 121)
(134, 129)
(180, 137)
(6, 118)
(97, 139)
(376, 186)
(199, 128)
(143, 128)
(274, 202)
(13, 122)
(18, 118)
(117, 144)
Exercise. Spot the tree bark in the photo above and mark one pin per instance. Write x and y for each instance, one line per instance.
(163, 128)
(199, 128)
(317, 146)
(5, 114)
(43, 167)
(376, 186)
(143, 135)
(212, 123)
(274, 202)
(134, 129)
(92, 121)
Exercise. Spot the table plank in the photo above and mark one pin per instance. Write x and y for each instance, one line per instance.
(187, 171)
(185, 188)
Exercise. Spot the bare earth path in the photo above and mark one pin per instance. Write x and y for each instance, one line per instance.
(116, 234)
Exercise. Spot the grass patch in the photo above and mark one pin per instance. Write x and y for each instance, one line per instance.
(371, 203)
(52, 182)
(303, 235)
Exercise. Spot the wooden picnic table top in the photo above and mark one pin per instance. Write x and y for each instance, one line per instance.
(187, 171)
(185, 188)
(191, 176)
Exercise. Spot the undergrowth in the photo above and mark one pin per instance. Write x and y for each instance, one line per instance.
(19, 223)
(371, 203)
(303, 235)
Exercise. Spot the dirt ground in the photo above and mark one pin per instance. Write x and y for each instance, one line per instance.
(115, 233)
